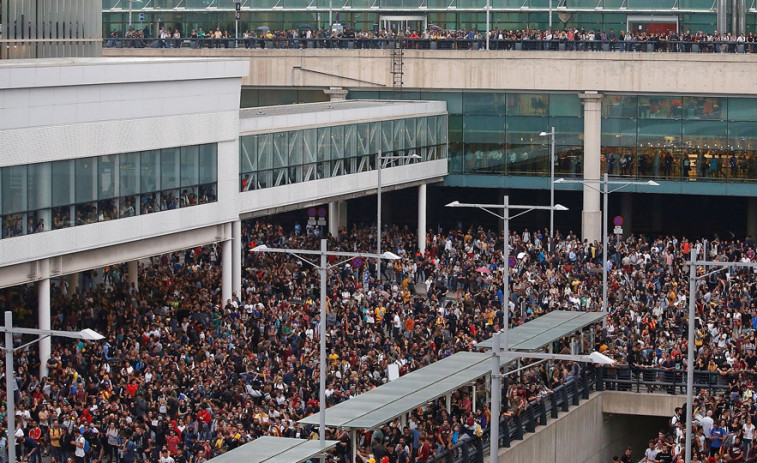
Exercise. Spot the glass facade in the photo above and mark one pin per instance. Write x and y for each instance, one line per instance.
(693, 15)
(283, 158)
(644, 136)
(52, 195)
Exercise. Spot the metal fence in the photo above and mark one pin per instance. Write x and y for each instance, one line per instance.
(441, 44)
(548, 407)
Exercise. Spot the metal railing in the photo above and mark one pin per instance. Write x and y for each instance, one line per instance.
(559, 400)
(440, 44)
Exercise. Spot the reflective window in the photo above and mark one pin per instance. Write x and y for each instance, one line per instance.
(53, 195)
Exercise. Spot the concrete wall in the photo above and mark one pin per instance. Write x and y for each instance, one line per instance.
(588, 433)
(684, 73)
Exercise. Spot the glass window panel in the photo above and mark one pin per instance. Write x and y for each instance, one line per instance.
(350, 141)
(565, 105)
(619, 106)
(421, 131)
(742, 136)
(248, 154)
(441, 129)
(337, 142)
(660, 107)
(704, 108)
(62, 183)
(265, 151)
(619, 132)
(309, 146)
(86, 179)
(149, 176)
(398, 131)
(169, 168)
(386, 136)
(375, 137)
(280, 147)
(295, 148)
(487, 104)
(410, 133)
(524, 130)
(323, 146)
(658, 134)
(128, 166)
(39, 186)
(568, 131)
(527, 104)
(208, 164)
(14, 189)
(107, 177)
(742, 109)
(190, 171)
(484, 129)
(705, 135)
(362, 139)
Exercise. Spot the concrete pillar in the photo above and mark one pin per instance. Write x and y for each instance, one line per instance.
(337, 216)
(591, 216)
(226, 272)
(72, 281)
(43, 315)
(626, 211)
(333, 218)
(133, 273)
(751, 217)
(422, 218)
(236, 258)
(336, 93)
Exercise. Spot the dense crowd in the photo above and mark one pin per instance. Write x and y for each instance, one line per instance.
(184, 376)
(567, 38)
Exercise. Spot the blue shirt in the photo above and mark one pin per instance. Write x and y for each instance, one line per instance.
(714, 435)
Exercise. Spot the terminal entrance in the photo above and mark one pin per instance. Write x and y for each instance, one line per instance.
(402, 24)
(653, 25)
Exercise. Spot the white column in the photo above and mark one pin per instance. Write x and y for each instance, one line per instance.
(43, 315)
(226, 272)
(133, 273)
(591, 218)
(422, 218)
(333, 218)
(342, 210)
(236, 257)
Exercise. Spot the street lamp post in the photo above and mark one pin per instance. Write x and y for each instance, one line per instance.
(502, 343)
(322, 267)
(10, 330)
(380, 158)
(551, 134)
(605, 192)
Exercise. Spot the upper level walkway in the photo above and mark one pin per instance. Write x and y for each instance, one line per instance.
(531, 70)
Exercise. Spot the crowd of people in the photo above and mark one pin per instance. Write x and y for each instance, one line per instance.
(567, 38)
(183, 376)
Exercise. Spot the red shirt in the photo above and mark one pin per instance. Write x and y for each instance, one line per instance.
(35, 433)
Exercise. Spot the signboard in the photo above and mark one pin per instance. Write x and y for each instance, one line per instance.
(141, 17)
(357, 262)
(617, 221)
(321, 212)
(511, 261)
(237, 14)
(311, 212)
(618, 230)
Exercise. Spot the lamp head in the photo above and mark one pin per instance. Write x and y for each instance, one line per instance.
(453, 204)
(543, 134)
(560, 180)
(90, 335)
(600, 359)
(560, 207)
(652, 183)
(414, 156)
(260, 248)
(390, 256)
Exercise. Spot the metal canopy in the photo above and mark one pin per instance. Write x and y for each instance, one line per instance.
(540, 332)
(387, 402)
(269, 449)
